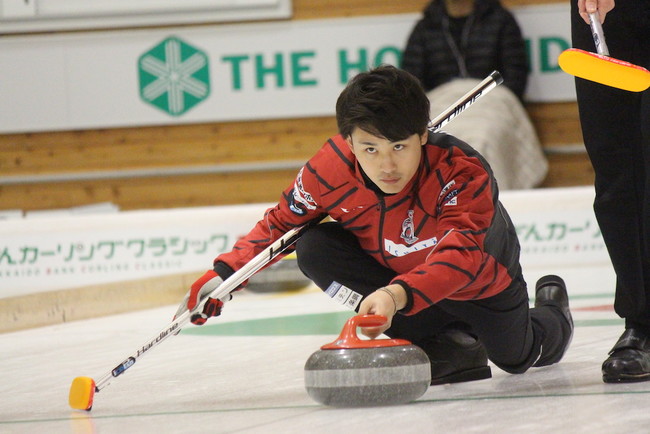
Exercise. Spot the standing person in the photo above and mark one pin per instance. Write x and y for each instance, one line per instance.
(616, 132)
(418, 234)
(450, 49)
(466, 39)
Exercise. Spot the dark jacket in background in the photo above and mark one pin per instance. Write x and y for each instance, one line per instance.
(490, 39)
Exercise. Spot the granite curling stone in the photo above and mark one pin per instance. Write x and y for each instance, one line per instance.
(351, 372)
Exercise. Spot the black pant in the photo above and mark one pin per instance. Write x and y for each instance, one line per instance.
(512, 333)
(616, 132)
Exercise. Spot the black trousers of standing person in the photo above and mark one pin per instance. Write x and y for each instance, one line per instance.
(512, 334)
(616, 132)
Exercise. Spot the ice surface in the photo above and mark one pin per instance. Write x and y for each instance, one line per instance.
(255, 383)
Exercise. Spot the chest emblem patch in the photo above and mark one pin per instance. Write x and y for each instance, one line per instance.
(408, 230)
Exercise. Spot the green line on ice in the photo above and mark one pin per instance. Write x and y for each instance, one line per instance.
(311, 324)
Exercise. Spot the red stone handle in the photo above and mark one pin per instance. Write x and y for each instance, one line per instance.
(348, 338)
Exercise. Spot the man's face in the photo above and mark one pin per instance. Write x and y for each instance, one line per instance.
(390, 165)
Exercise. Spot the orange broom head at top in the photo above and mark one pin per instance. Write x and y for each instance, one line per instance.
(604, 70)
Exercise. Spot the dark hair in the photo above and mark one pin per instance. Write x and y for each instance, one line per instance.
(386, 102)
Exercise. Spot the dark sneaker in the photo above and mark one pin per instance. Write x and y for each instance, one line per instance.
(551, 291)
(455, 357)
(629, 360)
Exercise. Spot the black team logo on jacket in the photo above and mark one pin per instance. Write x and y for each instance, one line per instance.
(408, 230)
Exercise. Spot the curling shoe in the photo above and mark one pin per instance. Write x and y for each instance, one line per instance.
(456, 356)
(551, 291)
(629, 360)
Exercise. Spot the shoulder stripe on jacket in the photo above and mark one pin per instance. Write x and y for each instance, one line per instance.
(343, 158)
(342, 198)
(319, 178)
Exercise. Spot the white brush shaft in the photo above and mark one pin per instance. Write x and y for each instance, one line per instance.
(222, 290)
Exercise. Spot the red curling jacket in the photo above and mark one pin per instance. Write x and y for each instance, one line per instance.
(446, 234)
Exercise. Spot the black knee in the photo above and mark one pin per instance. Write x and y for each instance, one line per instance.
(309, 251)
(328, 252)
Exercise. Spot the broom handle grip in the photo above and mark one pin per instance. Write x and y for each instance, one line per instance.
(598, 34)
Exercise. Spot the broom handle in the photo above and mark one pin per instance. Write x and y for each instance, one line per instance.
(488, 83)
(598, 34)
(228, 285)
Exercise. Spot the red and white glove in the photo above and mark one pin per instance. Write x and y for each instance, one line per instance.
(198, 291)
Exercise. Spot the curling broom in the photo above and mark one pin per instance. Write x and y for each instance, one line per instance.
(601, 68)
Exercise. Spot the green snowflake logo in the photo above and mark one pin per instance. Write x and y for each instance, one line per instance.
(174, 76)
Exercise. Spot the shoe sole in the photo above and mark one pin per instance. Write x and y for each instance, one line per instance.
(626, 378)
(482, 373)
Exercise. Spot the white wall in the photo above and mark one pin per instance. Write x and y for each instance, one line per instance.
(271, 70)
(21, 16)
(556, 227)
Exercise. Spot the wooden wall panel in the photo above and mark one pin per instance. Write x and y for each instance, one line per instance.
(152, 192)
(313, 9)
(569, 170)
(556, 123)
(192, 145)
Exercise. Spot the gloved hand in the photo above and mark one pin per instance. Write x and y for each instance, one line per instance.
(198, 291)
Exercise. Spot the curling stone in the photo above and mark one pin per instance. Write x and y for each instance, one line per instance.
(351, 372)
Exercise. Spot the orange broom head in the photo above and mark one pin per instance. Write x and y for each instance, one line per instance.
(82, 392)
(604, 70)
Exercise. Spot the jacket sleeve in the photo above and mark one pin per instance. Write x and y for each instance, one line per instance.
(458, 266)
(298, 206)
